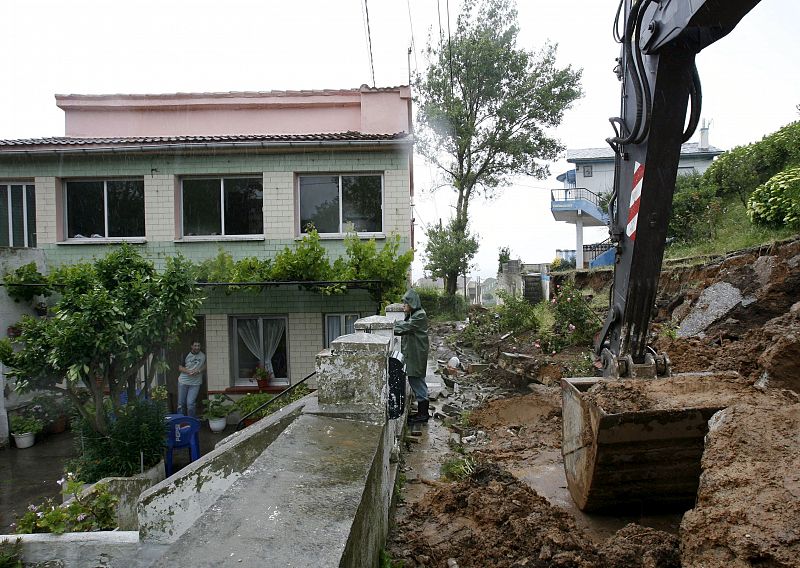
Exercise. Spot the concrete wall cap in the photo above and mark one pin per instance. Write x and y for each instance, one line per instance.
(394, 308)
(374, 322)
(356, 339)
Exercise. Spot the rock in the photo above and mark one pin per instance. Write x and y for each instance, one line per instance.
(715, 302)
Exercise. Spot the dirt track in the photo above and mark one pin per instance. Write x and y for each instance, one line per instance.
(748, 509)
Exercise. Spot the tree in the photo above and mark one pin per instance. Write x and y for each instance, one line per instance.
(448, 253)
(484, 106)
(503, 256)
(113, 316)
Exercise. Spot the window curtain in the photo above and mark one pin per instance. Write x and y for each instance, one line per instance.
(334, 328)
(273, 332)
(248, 331)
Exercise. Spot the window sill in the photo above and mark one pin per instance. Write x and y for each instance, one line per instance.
(242, 389)
(219, 238)
(341, 236)
(105, 241)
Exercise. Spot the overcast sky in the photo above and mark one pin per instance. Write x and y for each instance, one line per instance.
(751, 83)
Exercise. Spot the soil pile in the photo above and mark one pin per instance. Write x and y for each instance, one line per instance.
(716, 390)
(492, 519)
(748, 503)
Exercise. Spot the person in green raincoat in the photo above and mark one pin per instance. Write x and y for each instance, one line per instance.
(414, 332)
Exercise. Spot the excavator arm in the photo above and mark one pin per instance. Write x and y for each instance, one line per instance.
(660, 39)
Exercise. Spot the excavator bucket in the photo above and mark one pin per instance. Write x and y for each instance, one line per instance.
(644, 448)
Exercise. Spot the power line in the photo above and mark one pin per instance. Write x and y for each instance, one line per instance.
(369, 36)
(413, 42)
(449, 48)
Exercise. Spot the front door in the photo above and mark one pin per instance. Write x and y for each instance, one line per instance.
(175, 357)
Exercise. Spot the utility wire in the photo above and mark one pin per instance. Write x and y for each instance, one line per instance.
(413, 42)
(369, 36)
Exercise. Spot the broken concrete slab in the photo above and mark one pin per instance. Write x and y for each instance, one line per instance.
(714, 302)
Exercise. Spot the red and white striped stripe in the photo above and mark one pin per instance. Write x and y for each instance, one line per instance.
(636, 196)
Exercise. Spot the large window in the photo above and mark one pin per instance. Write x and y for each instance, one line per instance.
(222, 206)
(259, 341)
(333, 203)
(105, 209)
(339, 324)
(17, 215)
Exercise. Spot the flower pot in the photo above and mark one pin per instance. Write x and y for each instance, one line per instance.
(263, 384)
(24, 440)
(58, 426)
(217, 424)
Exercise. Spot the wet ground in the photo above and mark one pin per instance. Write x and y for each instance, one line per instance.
(29, 475)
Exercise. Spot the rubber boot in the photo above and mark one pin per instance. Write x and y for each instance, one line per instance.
(421, 416)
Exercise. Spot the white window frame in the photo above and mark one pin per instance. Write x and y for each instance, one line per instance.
(105, 239)
(223, 236)
(237, 381)
(341, 233)
(25, 185)
(342, 320)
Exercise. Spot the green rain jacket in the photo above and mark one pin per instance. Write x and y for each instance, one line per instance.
(414, 331)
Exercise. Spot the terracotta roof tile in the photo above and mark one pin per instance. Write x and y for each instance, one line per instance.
(179, 140)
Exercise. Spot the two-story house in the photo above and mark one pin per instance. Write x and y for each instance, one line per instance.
(581, 201)
(242, 171)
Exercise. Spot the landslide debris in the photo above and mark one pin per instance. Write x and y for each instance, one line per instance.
(494, 520)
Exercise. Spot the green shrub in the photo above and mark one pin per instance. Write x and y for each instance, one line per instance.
(695, 209)
(136, 432)
(515, 313)
(442, 306)
(740, 170)
(27, 274)
(777, 202)
(251, 401)
(11, 553)
(575, 323)
(87, 511)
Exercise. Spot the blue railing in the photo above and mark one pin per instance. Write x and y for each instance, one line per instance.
(575, 193)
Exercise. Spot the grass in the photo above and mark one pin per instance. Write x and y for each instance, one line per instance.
(458, 468)
(733, 232)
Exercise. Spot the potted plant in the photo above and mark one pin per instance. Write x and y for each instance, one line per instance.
(251, 401)
(24, 430)
(217, 409)
(40, 308)
(262, 376)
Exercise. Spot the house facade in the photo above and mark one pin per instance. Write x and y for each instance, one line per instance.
(580, 200)
(194, 174)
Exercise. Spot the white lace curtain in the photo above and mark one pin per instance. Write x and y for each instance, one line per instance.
(272, 331)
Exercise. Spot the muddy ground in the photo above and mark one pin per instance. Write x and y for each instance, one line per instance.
(740, 313)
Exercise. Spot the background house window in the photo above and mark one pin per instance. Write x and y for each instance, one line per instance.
(339, 324)
(17, 215)
(259, 340)
(332, 202)
(587, 171)
(223, 206)
(107, 208)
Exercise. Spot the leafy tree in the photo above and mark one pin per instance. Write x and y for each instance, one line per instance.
(448, 253)
(112, 317)
(504, 255)
(484, 107)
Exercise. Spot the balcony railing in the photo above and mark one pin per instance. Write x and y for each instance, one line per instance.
(590, 252)
(575, 193)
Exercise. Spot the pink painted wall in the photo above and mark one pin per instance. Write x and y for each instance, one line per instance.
(366, 110)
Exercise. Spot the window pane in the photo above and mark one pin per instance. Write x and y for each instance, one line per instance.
(243, 198)
(319, 203)
(31, 195)
(85, 209)
(333, 328)
(17, 217)
(248, 348)
(280, 361)
(350, 323)
(361, 202)
(126, 208)
(3, 215)
(201, 207)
